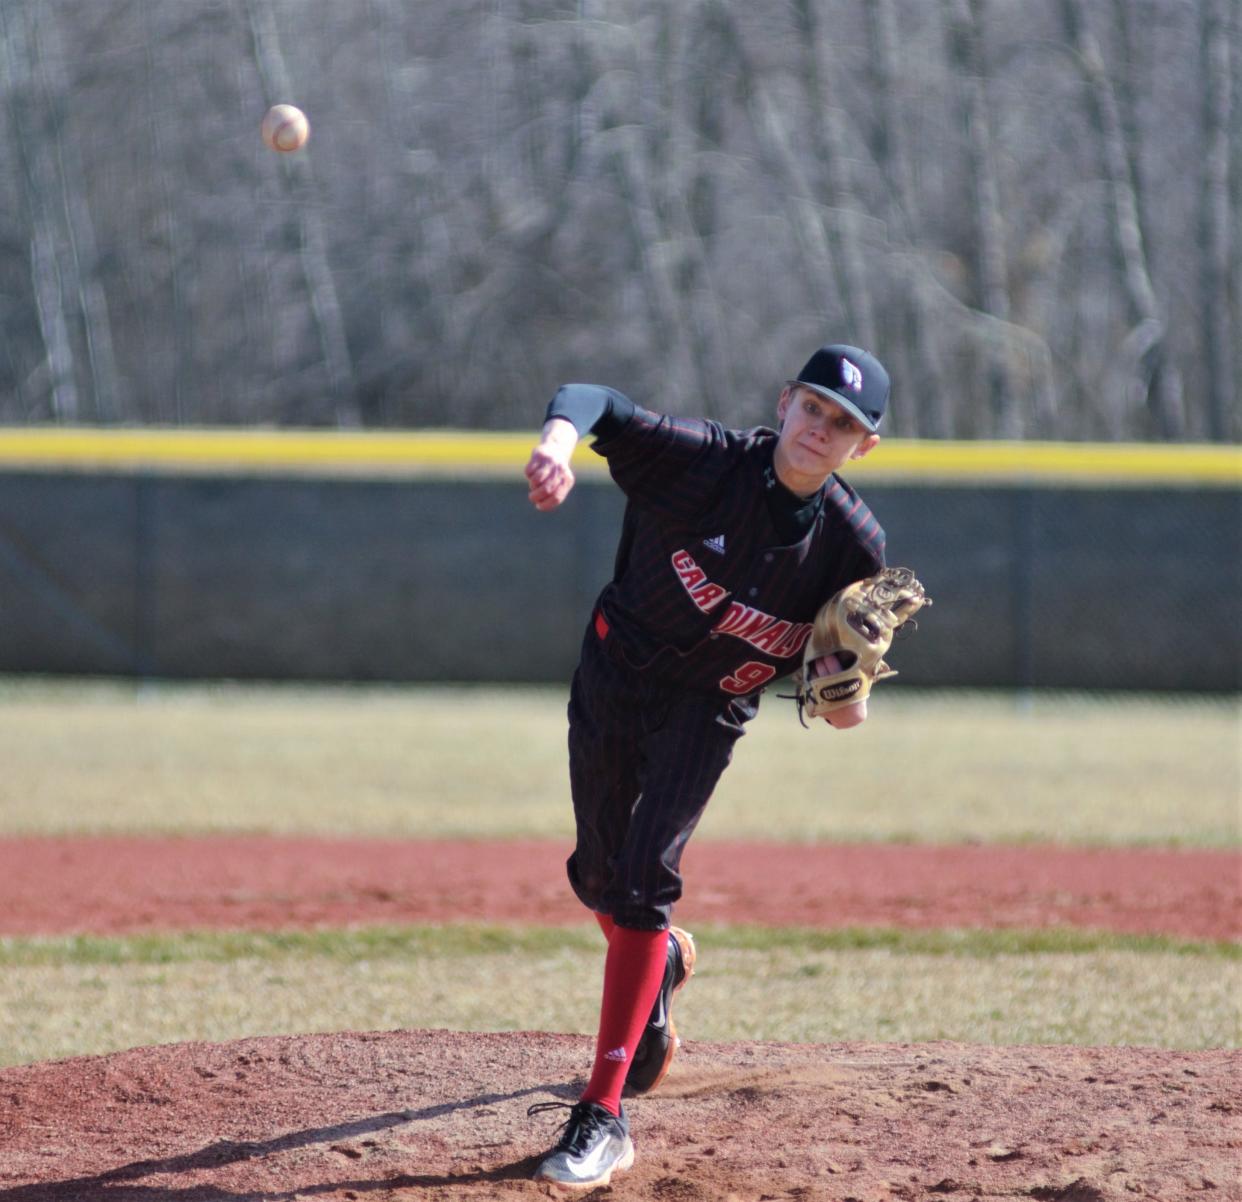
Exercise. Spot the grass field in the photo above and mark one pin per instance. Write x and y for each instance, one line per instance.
(66, 996)
(490, 762)
(102, 757)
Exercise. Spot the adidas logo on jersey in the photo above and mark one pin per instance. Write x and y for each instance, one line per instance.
(716, 544)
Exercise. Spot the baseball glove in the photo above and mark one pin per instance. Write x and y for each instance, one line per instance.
(856, 626)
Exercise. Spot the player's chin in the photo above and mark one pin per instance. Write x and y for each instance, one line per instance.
(820, 459)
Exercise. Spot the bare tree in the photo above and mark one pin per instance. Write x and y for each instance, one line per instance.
(63, 256)
(177, 239)
(915, 346)
(687, 194)
(320, 284)
(1133, 71)
(652, 245)
(82, 248)
(1235, 220)
(1218, 16)
(1146, 345)
(798, 196)
(965, 28)
(831, 166)
(680, 198)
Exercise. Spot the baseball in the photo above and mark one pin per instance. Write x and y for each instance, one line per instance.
(285, 128)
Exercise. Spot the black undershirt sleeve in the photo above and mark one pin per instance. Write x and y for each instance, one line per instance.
(591, 409)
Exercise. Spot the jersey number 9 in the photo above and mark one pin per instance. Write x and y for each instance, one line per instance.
(748, 677)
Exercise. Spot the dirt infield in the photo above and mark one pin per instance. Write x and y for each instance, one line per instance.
(436, 1116)
(419, 1115)
(124, 885)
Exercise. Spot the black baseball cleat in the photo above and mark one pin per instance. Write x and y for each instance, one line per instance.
(659, 1043)
(593, 1146)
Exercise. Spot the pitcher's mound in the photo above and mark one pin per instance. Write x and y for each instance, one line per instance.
(442, 1115)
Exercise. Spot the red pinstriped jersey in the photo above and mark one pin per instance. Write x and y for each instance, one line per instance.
(705, 593)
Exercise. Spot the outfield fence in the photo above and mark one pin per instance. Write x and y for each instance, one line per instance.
(311, 555)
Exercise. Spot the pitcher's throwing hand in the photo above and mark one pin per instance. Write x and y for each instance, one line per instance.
(548, 469)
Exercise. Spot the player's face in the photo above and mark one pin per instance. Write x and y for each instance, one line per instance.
(817, 437)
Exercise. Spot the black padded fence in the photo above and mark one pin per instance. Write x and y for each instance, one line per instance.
(339, 579)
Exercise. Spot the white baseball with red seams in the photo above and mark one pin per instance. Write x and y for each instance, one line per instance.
(285, 128)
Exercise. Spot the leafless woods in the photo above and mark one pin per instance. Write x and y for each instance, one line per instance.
(1030, 210)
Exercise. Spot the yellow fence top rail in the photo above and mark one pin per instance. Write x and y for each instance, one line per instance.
(503, 454)
(1086, 462)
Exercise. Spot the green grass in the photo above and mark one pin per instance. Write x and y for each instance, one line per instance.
(465, 940)
(76, 996)
(106, 757)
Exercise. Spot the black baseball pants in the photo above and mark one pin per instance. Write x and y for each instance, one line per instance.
(644, 759)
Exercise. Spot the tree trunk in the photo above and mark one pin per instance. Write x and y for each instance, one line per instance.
(1131, 78)
(965, 19)
(1133, 71)
(79, 222)
(38, 177)
(815, 255)
(312, 242)
(922, 379)
(1216, 241)
(179, 250)
(64, 259)
(687, 192)
(652, 251)
(1235, 223)
(1165, 398)
(833, 171)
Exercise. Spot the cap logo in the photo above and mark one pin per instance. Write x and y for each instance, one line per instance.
(851, 377)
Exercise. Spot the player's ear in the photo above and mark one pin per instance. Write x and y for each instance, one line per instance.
(782, 406)
(866, 446)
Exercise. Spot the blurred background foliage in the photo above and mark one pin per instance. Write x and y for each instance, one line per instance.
(1030, 210)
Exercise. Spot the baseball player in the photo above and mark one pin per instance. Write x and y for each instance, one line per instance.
(730, 543)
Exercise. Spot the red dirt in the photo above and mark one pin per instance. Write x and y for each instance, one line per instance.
(126, 885)
(438, 1116)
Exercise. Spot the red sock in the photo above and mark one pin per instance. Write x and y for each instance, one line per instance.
(633, 972)
(605, 924)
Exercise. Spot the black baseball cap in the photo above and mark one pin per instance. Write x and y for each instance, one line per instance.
(852, 377)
